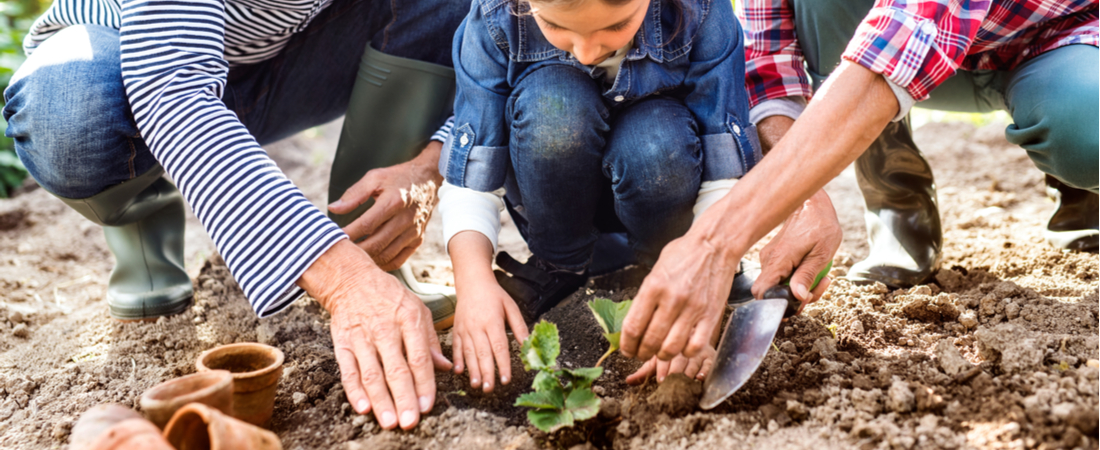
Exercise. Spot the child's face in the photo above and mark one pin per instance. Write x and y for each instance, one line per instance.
(591, 30)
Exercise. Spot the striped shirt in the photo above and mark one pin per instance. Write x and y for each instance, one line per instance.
(175, 59)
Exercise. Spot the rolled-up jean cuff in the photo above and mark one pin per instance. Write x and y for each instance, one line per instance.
(721, 159)
(486, 167)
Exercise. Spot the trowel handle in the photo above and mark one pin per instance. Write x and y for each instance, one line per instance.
(783, 290)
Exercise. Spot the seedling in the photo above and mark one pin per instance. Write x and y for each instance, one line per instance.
(610, 315)
(562, 396)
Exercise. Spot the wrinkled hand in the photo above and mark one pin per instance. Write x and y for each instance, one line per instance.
(479, 335)
(382, 335)
(680, 302)
(404, 196)
(804, 246)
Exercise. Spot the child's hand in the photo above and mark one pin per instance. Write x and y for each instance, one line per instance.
(697, 367)
(483, 307)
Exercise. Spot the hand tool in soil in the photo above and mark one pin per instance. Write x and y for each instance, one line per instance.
(746, 339)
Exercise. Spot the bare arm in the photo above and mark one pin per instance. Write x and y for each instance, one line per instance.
(680, 302)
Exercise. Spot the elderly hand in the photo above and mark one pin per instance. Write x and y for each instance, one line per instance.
(404, 196)
(804, 246)
(382, 334)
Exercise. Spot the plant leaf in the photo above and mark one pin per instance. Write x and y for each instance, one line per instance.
(583, 404)
(553, 399)
(547, 380)
(583, 377)
(540, 349)
(610, 316)
(550, 420)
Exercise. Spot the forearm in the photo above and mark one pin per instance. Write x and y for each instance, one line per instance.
(843, 119)
(472, 257)
(428, 161)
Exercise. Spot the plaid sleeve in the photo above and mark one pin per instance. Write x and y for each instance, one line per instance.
(773, 60)
(917, 44)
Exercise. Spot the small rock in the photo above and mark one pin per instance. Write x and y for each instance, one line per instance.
(769, 411)
(867, 401)
(899, 397)
(62, 429)
(928, 400)
(624, 429)
(15, 317)
(609, 408)
(788, 347)
(826, 347)
(299, 397)
(968, 319)
(797, 410)
(20, 331)
(1012, 311)
(856, 326)
(773, 426)
(598, 390)
(949, 358)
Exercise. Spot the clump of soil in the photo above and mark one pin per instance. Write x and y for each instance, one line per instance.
(999, 350)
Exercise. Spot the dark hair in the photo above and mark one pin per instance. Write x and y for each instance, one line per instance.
(522, 7)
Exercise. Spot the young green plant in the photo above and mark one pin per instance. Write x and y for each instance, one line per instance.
(561, 396)
(610, 315)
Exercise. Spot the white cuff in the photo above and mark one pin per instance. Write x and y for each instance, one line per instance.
(905, 100)
(709, 193)
(791, 106)
(464, 209)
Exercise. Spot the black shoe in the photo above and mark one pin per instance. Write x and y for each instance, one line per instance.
(1073, 225)
(741, 291)
(903, 219)
(535, 286)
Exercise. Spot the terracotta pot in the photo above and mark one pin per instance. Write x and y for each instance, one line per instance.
(200, 427)
(213, 388)
(115, 427)
(256, 370)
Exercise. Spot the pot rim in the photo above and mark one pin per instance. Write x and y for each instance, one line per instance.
(253, 346)
(223, 379)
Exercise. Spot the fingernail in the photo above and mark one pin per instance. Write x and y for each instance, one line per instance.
(335, 204)
(474, 382)
(503, 380)
(486, 386)
(407, 418)
(388, 419)
(362, 406)
(803, 293)
(425, 404)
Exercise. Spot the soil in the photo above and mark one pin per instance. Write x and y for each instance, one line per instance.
(998, 352)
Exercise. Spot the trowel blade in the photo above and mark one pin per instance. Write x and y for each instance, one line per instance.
(746, 339)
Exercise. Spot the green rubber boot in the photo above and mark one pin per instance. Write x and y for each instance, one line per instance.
(143, 221)
(396, 105)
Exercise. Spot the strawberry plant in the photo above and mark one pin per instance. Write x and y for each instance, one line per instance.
(610, 315)
(564, 396)
(561, 396)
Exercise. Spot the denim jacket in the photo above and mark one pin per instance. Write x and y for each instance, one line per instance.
(698, 59)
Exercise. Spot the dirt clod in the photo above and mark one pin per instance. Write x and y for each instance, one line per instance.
(676, 395)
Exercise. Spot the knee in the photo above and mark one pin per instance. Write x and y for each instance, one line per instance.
(557, 115)
(655, 154)
(66, 102)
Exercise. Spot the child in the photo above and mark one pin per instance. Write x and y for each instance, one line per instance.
(581, 116)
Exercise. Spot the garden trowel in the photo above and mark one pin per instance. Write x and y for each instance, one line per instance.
(748, 334)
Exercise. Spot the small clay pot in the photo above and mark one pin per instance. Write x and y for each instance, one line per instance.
(115, 427)
(214, 388)
(256, 371)
(197, 426)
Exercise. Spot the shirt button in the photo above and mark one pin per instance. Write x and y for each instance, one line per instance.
(928, 28)
(464, 140)
(619, 98)
(736, 129)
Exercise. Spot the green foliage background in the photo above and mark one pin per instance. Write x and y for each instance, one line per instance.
(15, 18)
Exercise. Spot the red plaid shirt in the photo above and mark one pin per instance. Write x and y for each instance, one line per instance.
(917, 44)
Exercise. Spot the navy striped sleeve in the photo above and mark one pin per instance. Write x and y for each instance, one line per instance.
(266, 230)
(444, 131)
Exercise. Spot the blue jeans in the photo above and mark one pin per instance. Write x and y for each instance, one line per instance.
(580, 166)
(73, 128)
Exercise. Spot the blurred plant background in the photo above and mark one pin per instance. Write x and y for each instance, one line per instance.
(15, 18)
